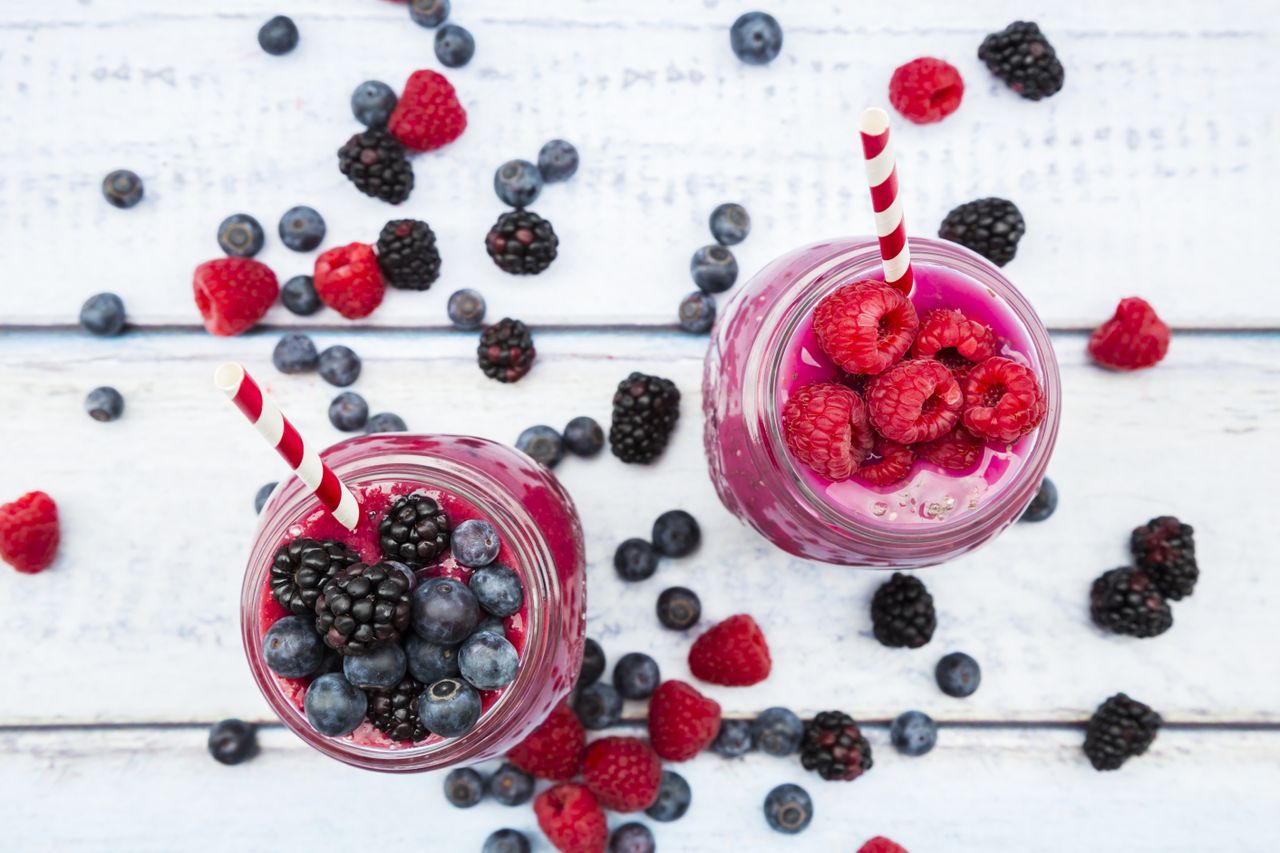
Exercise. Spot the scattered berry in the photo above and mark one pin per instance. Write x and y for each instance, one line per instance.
(635, 676)
(557, 161)
(506, 351)
(697, 313)
(292, 648)
(301, 228)
(676, 534)
(464, 787)
(902, 613)
(678, 608)
(880, 844)
(887, 464)
(914, 401)
(1003, 400)
(674, 798)
(449, 708)
(777, 731)
(948, 336)
(632, 838)
(958, 450)
(826, 427)
(733, 740)
(1022, 57)
(385, 422)
(363, 608)
(466, 309)
(714, 269)
(348, 412)
(232, 294)
(339, 365)
(278, 36)
(295, 353)
(506, 841)
(991, 227)
(375, 162)
(29, 532)
(543, 444)
(571, 818)
(444, 611)
(554, 749)
(730, 224)
(430, 662)
(348, 280)
(682, 722)
(407, 254)
(428, 13)
(428, 115)
(372, 103)
(865, 326)
(593, 663)
(488, 661)
(645, 411)
(635, 560)
(394, 712)
(104, 404)
(756, 38)
(1165, 549)
(497, 589)
(511, 786)
(300, 297)
(233, 741)
(1127, 601)
(302, 567)
(454, 46)
(623, 772)
(380, 669)
(333, 706)
(926, 90)
(102, 314)
(1134, 338)
(598, 706)
(788, 809)
(476, 543)
(1043, 504)
(733, 653)
(913, 733)
(414, 531)
(122, 188)
(260, 499)
(1120, 729)
(834, 746)
(958, 675)
(583, 437)
(521, 242)
(240, 236)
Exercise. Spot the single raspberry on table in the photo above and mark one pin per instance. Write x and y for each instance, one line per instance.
(913, 401)
(29, 532)
(733, 653)
(428, 115)
(888, 463)
(865, 326)
(554, 749)
(958, 450)
(926, 90)
(948, 336)
(349, 280)
(682, 722)
(1003, 400)
(571, 818)
(1132, 339)
(826, 427)
(623, 772)
(233, 294)
(880, 844)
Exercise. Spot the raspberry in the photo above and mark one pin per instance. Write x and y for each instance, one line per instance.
(1003, 400)
(888, 463)
(29, 532)
(926, 90)
(233, 294)
(880, 844)
(826, 427)
(571, 818)
(958, 450)
(623, 772)
(1132, 339)
(914, 401)
(733, 653)
(554, 749)
(428, 115)
(682, 722)
(865, 326)
(948, 336)
(349, 281)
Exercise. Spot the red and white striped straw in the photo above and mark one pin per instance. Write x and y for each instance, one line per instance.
(234, 381)
(882, 177)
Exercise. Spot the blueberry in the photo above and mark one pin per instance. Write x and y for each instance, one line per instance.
(635, 676)
(449, 708)
(673, 800)
(632, 838)
(380, 669)
(348, 412)
(445, 612)
(292, 648)
(498, 589)
(464, 787)
(295, 353)
(583, 437)
(697, 313)
(734, 739)
(557, 161)
(788, 809)
(301, 228)
(429, 13)
(339, 365)
(913, 733)
(475, 543)
(122, 188)
(958, 675)
(1043, 504)
(543, 444)
(103, 314)
(756, 38)
(714, 269)
(240, 236)
(493, 625)
(454, 46)
(410, 578)
(730, 224)
(488, 661)
(334, 707)
(104, 404)
(777, 731)
(635, 560)
(233, 741)
(593, 663)
(299, 295)
(430, 662)
(506, 841)
(598, 706)
(517, 182)
(260, 499)
(511, 786)
(678, 608)
(278, 36)
(676, 534)
(372, 103)
(466, 309)
(385, 422)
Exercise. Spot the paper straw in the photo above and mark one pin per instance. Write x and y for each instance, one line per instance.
(882, 178)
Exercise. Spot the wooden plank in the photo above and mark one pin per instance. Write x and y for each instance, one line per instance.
(1129, 180)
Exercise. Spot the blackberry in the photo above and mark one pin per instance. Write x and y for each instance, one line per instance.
(363, 608)
(645, 411)
(902, 613)
(1022, 57)
(522, 243)
(1120, 729)
(407, 254)
(375, 162)
(414, 531)
(991, 227)
(1165, 549)
(1127, 601)
(395, 712)
(506, 350)
(301, 568)
(835, 748)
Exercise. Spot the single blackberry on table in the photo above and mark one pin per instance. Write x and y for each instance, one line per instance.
(301, 568)
(1127, 601)
(362, 608)
(506, 350)
(834, 747)
(414, 531)
(1165, 549)
(394, 712)
(991, 227)
(375, 162)
(645, 411)
(522, 243)
(1022, 57)
(902, 613)
(1120, 729)
(407, 254)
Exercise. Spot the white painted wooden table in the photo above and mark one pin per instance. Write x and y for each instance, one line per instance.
(1154, 172)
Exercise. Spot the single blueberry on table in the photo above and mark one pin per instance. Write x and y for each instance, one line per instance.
(488, 661)
(339, 365)
(958, 675)
(734, 739)
(543, 444)
(788, 809)
(583, 436)
(429, 13)
(635, 676)
(445, 611)
(714, 269)
(498, 589)
(454, 46)
(598, 706)
(264, 492)
(475, 543)
(593, 663)
(506, 841)
(466, 309)
(295, 353)
(301, 228)
(348, 412)
(679, 608)
(233, 741)
(557, 161)
(756, 38)
(777, 731)
(372, 103)
(913, 733)
(1043, 504)
(334, 706)
(697, 313)
(632, 838)
(122, 188)
(676, 534)
(299, 295)
(511, 786)
(278, 36)
(292, 648)
(635, 560)
(517, 183)
(673, 800)
(385, 422)
(240, 236)
(449, 708)
(730, 224)
(380, 669)
(464, 787)
(104, 404)
(429, 662)
(103, 314)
